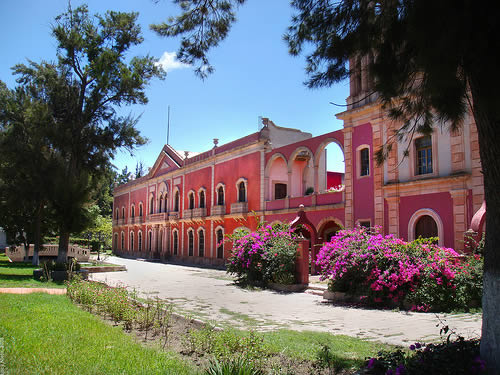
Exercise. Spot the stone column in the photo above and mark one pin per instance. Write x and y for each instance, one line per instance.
(459, 197)
(393, 212)
(348, 179)
(302, 262)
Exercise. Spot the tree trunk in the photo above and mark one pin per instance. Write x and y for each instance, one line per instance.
(62, 254)
(487, 116)
(38, 224)
(26, 250)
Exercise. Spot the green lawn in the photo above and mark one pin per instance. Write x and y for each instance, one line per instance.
(47, 334)
(350, 352)
(20, 275)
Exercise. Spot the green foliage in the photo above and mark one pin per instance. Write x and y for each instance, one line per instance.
(234, 366)
(206, 24)
(78, 97)
(458, 356)
(229, 345)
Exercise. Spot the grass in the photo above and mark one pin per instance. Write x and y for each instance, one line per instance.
(92, 265)
(20, 275)
(348, 351)
(49, 334)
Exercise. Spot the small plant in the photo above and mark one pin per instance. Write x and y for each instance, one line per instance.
(325, 359)
(234, 366)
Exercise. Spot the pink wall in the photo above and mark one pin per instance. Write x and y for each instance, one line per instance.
(442, 203)
(298, 188)
(196, 180)
(277, 172)
(363, 187)
(229, 172)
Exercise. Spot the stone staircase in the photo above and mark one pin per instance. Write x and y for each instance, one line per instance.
(316, 289)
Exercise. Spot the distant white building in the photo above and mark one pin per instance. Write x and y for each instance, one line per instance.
(3, 239)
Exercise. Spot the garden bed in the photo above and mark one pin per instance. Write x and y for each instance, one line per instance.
(153, 322)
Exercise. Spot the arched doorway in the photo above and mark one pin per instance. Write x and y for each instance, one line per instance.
(426, 227)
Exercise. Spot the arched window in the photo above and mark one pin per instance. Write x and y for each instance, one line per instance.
(117, 214)
(176, 201)
(201, 243)
(426, 227)
(364, 162)
(190, 243)
(160, 206)
(220, 196)
(202, 199)
(151, 205)
(131, 241)
(115, 247)
(132, 211)
(123, 241)
(220, 244)
(191, 200)
(140, 210)
(176, 242)
(242, 192)
(150, 241)
(123, 212)
(139, 241)
(165, 204)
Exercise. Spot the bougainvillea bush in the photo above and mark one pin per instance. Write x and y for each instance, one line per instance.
(387, 270)
(267, 255)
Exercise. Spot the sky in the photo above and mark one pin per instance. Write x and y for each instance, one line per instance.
(254, 76)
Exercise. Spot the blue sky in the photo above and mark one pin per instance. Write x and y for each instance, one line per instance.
(255, 76)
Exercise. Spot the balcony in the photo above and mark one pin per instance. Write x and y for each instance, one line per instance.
(218, 210)
(156, 218)
(277, 204)
(173, 215)
(187, 214)
(329, 198)
(295, 202)
(136, 220)
(118, 222)
(239, 208)
(199, 212)
(313, 200)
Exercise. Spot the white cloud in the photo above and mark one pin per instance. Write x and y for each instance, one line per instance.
(169, 62)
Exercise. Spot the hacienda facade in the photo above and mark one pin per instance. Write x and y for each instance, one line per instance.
(182, 209)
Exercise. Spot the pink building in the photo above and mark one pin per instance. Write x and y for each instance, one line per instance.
(184, 206)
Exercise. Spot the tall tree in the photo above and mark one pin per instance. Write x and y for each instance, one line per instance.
(25, 167)
(91, 79)
(432, 64)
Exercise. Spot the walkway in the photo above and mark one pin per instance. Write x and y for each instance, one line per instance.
(33, 290)
(211, 296)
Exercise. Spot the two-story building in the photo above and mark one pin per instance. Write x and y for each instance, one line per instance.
(188, 202)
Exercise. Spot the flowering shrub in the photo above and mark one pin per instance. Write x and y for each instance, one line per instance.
(386, 269)
(459, 356)
(267, 255)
